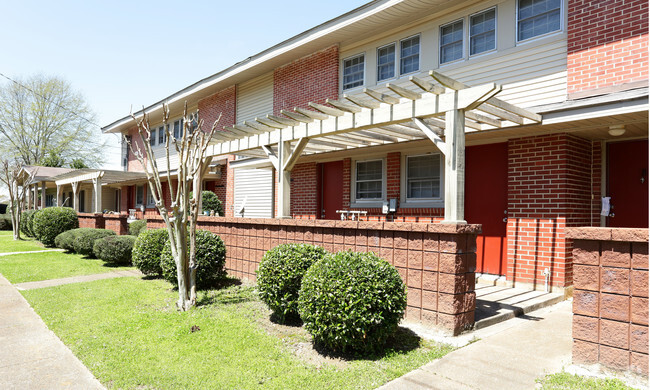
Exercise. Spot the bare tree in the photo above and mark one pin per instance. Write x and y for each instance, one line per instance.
(9, 177)
(40, 115)
(180, 218)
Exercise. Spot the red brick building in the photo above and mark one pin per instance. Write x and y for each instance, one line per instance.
(581, 66)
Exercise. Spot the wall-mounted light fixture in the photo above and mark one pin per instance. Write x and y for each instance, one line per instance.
(616, 130)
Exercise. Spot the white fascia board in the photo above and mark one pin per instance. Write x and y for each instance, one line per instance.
(275, 51)
(597, 111)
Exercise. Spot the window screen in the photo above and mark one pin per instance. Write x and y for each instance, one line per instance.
(410, 55)
(423, 177)
(369, 180)
(482, 32)
(386, 62)
(537, 17)
(353, 71)
(451, 42)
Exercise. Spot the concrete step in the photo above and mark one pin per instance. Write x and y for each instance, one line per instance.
(495, 304)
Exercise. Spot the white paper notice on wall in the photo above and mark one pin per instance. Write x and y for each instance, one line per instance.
(605, 206)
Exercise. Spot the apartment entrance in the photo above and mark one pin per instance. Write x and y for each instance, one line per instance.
(627, 183)
(331, 189)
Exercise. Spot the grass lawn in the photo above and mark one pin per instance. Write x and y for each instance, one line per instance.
(128, 332)
(566, 381)
(7, 243)
(30, 267)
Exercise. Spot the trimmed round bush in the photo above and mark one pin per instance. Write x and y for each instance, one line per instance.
(352, 301)
(85, 240)
(137, 227)
(66, 239)
(280, 274)
(52, 221)
(114, 249)
(210, 202)
(26, 219)
(147, 249)
(210, 259)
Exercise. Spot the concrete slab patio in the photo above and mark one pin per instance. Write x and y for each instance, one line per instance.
(509, 355)
(32, 357)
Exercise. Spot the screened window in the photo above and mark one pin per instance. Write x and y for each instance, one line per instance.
(152, 137)
(353, 69)
(409, 55)
(537, 17)
(139, 195)
(161, 135)
(178, 126)
(451, 42)
(386, 62)
(423, 176)
(369, 179)
(482, 32)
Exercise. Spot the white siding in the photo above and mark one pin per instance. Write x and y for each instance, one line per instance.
(532, 73)
(253, 192)
(254, 187)
(255, 98)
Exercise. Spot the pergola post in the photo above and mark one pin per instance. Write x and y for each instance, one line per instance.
(455, 166)
(284, 180)
(59, 195)
(97, 194)
(35, 190)
(75, 195)
(42, 195)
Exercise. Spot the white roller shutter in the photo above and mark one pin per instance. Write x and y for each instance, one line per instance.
(254, 187)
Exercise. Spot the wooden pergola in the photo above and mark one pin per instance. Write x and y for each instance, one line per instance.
(438, 108)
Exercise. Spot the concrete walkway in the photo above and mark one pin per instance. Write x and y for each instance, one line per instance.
(30, 252)
(77, 279)
(509, 355)
(31, 356)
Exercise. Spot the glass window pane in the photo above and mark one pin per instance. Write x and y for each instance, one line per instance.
(385, 62)
(423, 177)
(482, 32)
(161, 135)
(353, 72)
(537, 17)
(451, 42)
(152, 137)
(369, 179)
(410, 55)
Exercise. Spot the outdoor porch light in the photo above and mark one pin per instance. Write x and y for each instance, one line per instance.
(616, 130)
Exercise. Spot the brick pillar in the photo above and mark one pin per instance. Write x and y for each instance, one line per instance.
(393, 172)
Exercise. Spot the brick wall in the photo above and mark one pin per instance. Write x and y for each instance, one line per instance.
(91, 220)
(224, 103)
(607, 44)
(133, 165)
(549, 188)
(436, 262)
(304, 192)
(116, 223)
(610, 307)
(313, 78)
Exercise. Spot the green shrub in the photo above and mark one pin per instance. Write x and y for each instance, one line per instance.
(52, 221)
(66, 239)
(137, 227)
(26, 219)
(114, 249)
(210, 259)
(280, 274)
(5, 221)
(209, 202)
(352, 301)
(147, 249)
(85, 240)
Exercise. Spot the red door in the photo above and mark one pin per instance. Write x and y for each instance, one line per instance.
(627, 177)
(331, 189)
(486, 203)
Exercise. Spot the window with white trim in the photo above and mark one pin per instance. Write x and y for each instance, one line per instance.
(150, 199)
(353, 71)
(152, 137)
(482, 32)
(139, 195)
(409, 55)
(451, 41)
(178, 128)
(423, 177)
(386, 62)
(369, 180)
(537, 17)
(161, 135)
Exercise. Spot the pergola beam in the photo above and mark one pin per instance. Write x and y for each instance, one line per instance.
(435, 138)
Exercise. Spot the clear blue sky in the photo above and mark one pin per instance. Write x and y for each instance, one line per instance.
(120, 54)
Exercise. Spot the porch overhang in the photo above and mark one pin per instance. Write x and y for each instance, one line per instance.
(438, 108)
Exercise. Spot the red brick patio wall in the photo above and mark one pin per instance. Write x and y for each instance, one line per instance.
(610, 307)
(436, 261)
(116, 223)
(91, 220)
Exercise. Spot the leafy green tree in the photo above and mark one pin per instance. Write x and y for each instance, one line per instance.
(40, 115)
(78, 163)
(53, 159)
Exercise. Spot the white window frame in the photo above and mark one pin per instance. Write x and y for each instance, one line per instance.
(463, 43)
(399, 65)
(395, 61)
(558, 31)
(469, 32)
(149, 198)
(153, 137)
(374, 202)
(136, 195)
(406, 202)
(363, 78)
